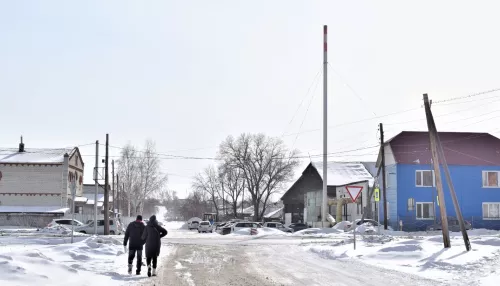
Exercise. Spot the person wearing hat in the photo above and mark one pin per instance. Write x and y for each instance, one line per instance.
(152, 235)
(134, 233)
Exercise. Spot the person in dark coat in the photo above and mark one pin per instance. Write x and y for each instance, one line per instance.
(134, 233)
(152, 235)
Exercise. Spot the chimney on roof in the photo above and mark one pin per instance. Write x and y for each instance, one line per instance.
(21, 145)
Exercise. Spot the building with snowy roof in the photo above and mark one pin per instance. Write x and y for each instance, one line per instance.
(38, 181)
(474, 163)
(302, 201)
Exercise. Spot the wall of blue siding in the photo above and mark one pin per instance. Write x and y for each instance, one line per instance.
(467, 181)
(392, 195)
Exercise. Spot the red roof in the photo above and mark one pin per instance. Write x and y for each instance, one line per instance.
(482, 149)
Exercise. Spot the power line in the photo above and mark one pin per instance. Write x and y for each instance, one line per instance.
(467, 96)
(302, 101)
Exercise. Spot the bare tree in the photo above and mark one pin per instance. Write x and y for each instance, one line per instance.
(127, 168)
(151, 180)
(233, 184)
(264, 162)
(209, 183)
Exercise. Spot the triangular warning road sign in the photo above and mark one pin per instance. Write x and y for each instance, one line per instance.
(354, 191)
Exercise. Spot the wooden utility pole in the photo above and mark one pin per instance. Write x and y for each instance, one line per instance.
(106, 188)
(382, 163)
(113, 186)
(456, 205)
(437, 173)
(117, 193)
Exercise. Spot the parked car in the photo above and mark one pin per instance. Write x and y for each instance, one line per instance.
(65, 222)
(225, 229)
(193, 225)
(453, 225)
(277, 225)
(367, 222)
(115, 227)
(205, 226)
(241, 225)
(297, 227)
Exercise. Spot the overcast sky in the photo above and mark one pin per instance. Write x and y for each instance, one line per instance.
(189, 73)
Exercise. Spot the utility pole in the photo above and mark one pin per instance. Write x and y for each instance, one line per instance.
(106, 189)
(435, 163)
(456, 205)
(113, 186)
(384, 191)
(96, 179)
(118, 193)
(324, 203)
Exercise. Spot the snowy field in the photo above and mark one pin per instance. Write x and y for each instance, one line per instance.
(272, 257)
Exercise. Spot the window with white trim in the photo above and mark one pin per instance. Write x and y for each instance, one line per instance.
(425, 210)
(424, 178)
(491, 210)
(490, 179)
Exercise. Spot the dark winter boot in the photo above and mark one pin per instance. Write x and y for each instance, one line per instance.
(149, 270)
(138, 272)
(130, 269)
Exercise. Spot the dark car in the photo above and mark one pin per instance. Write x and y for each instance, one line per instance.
(297, 227)
(453, 225)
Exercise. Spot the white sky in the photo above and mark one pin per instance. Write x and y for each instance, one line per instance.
(189, 73)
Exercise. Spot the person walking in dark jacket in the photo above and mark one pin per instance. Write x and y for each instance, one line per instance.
(134, 233)
(152, 235)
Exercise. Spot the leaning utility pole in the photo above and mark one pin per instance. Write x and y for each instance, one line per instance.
(96, 179)
(324, 203)
(382, 164)
(456, 205)
(113, 186)
(437, 172)
(106, 188)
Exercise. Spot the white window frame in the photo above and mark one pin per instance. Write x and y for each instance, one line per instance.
(417, 204)
(490, 203)
(422, 178)
(491, 187)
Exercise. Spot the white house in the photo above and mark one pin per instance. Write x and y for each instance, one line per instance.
(38, 181)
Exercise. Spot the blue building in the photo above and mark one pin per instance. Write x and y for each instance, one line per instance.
(474, 163)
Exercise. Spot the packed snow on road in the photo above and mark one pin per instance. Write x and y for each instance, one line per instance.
(270, 257)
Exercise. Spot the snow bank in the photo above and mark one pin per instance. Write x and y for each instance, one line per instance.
(319, 232)
(343, 225)
(419, 255)
(92, 261)
(175, 225)
(264, 231)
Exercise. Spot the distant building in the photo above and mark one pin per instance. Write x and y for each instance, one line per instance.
(38, 181)
(302, 201)
(474, 163)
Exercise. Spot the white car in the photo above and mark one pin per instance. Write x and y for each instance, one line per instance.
(193, 225)
(277, 225)
(205, 226)
(65, 222)
(241, 225)
(115, 227)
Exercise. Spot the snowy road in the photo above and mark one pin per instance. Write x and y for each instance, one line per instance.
(241, 261)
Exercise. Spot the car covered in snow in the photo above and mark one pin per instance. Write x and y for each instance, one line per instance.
(277, 225)
(65, 222)
(205, 226)
(115, 227)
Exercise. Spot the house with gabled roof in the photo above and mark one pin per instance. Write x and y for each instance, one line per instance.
(474, 163)
(302, 201)
(38, 181)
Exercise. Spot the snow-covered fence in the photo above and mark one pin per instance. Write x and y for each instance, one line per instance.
(27, 220)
